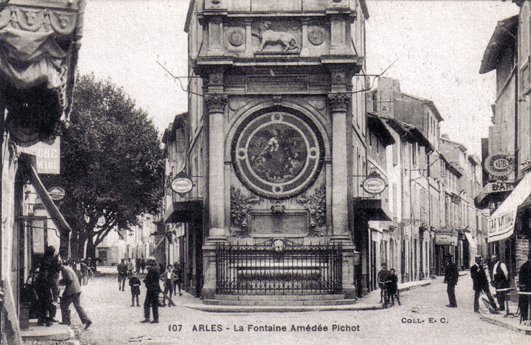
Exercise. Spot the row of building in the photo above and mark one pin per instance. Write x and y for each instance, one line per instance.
(289, 175)
(506, 153)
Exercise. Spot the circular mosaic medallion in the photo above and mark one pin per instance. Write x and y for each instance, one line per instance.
(277, 154)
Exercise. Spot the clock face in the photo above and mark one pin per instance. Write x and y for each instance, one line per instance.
(277, 154)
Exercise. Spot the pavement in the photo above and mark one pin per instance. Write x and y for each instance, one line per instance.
(422, 319)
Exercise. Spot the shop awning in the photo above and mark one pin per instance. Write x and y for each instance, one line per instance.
(58, 219)
(502, 221)
(470, 239)
(373, 209)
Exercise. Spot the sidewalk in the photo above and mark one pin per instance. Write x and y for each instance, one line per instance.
(56, 334)
(509, 322)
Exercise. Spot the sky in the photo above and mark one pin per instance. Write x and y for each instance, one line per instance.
(437, 46)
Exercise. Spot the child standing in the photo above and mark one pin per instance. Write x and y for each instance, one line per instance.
(134, 283)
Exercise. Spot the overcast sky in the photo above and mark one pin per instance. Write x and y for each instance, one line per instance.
(438, 46)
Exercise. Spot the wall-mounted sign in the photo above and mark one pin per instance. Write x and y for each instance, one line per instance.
(56, 193)
(182, 184)
(47, 154)
(500, 165)
(446, 240)
(374, 183)
(497, 187)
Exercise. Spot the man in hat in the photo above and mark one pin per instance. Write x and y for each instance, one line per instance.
(153, 290)
(383, 279)
(451, 275)
(480, 283)
(499, 276)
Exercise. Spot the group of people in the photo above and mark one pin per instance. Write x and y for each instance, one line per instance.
(388, 284)
(171, 277)
(499, 279)
(51, 274)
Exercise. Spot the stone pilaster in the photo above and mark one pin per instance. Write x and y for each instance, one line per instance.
(339, 103)
(216, 103)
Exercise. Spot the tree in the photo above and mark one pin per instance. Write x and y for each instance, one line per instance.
(111, 161)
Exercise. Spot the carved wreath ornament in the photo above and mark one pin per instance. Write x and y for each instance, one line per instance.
(239, 209)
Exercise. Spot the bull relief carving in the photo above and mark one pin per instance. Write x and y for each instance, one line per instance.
(240, 205)
(272, 40)
(315, 204)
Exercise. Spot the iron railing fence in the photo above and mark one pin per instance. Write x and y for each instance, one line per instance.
(266, 270)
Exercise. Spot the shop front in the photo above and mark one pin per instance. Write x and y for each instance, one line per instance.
(508, 226)
(446, 242)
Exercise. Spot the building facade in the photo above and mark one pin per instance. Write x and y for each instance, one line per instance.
(273, 135)
(507, 151)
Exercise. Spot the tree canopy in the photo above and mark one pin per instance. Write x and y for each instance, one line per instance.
(111, 161)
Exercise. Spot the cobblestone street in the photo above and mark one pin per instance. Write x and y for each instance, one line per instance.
(115, 322)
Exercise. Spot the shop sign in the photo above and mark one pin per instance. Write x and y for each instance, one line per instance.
(182, 184)
(499, 165)
(47, 156)
(56, 193)
(496, 187)
(445, 240)
(374, 183)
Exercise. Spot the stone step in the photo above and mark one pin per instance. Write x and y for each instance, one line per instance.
(273, 302)
(278, 297)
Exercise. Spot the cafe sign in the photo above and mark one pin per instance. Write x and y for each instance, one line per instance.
(374, 183)
(499, 165)
(182, 184)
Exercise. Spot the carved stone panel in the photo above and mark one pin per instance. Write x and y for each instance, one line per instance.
(291, 222)
(276, 36)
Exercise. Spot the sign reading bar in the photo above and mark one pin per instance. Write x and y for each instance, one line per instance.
(374, 183)
(48, 156)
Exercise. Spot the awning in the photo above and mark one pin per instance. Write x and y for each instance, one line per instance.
(501, 222)
(373, 209)
(471, 241)
(52, 209)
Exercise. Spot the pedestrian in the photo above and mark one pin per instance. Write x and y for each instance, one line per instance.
(122, 275)
(152, 290)
(71, 294)
(451, 276)
(383, 277)
(137, 265)
(178, 278)
(524, 284)
(481, 284)
(134, 283)
(392, 287)
(130, 267)
(499, 276)
(46, 286)
(142, 265)
(168, 277)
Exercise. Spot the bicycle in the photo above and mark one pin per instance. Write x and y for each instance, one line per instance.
(384, 294)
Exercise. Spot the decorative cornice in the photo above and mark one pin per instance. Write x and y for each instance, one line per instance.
(215, 102)
(339, 101)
